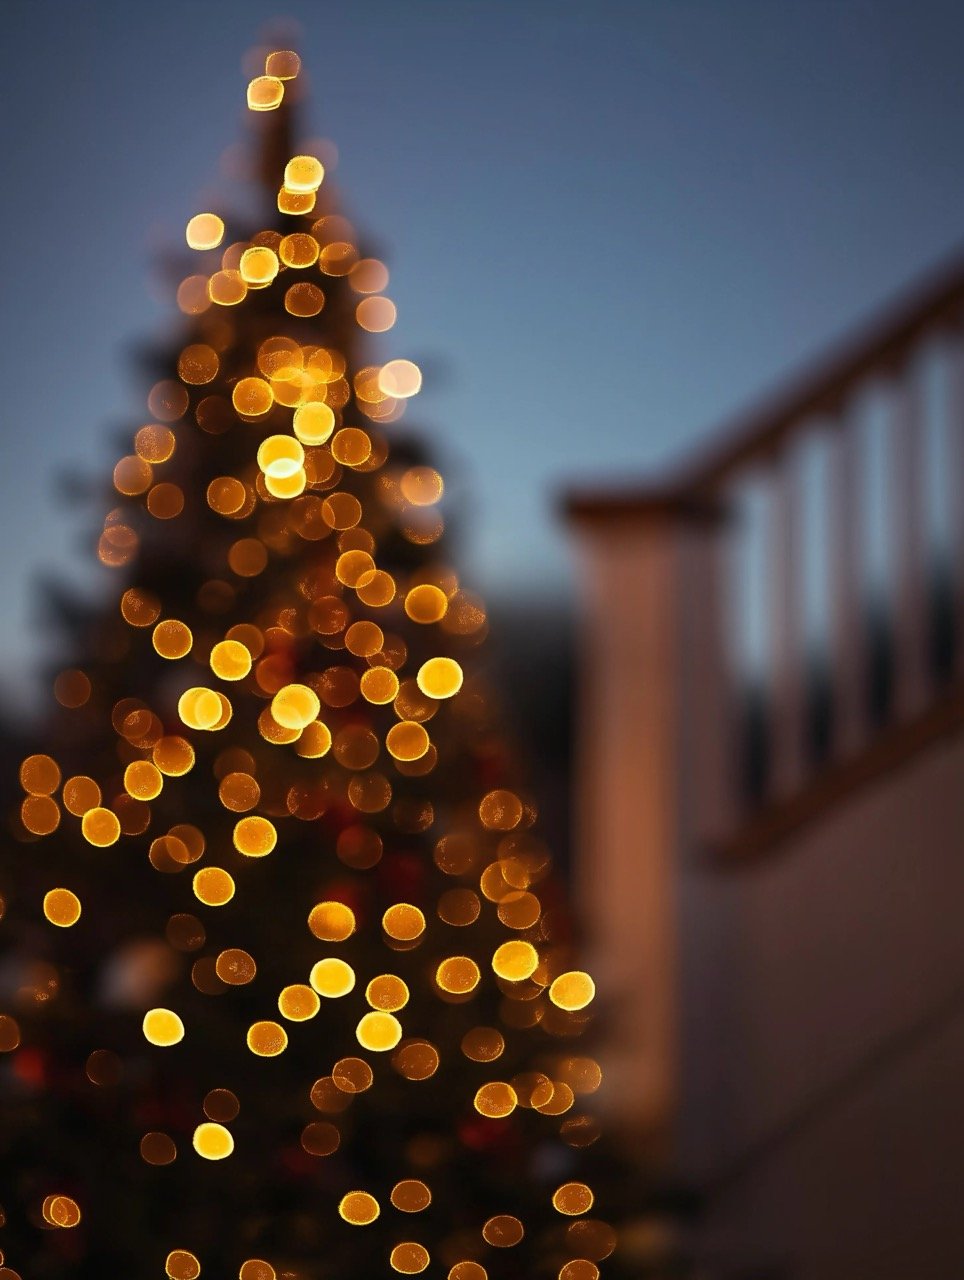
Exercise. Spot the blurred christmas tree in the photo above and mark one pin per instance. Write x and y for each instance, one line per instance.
(286, 984)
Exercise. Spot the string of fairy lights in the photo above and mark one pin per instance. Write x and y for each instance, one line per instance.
(293, 493)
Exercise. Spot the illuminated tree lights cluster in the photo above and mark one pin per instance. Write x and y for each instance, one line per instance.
(332, 698)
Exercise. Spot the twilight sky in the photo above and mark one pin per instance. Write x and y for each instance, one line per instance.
(609, 224)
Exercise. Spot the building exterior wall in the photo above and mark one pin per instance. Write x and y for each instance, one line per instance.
(822, 1036)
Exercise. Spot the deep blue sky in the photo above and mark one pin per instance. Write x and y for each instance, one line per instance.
(609, 224)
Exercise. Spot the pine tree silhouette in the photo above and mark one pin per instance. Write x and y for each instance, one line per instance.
(286, 983)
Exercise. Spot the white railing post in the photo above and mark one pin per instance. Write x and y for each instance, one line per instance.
(628, 809)
(846, 576)
(910, 602)
(787, 668)
(954, 481)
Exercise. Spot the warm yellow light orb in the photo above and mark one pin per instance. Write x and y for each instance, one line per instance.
(379, 685)
(439, 678)
(409, 1258)
(403, 922)
(331, 921)
(411, 1196)
(265, 93)
(62, 907)
(515, 961)
(407, 740)
(387, 992)
(280, 456)
(173, 755)
(295, 706)
(255, 837)
(285, 64)
(213, 1141)
(61, 1211)
(400, 379)
(298, 1003)
(332, 978)
(182, 1265)
(230, 660)
(458, 975)
(315, 740)
(143, 780)
(205, 231)
(287, 487)
(267, 1039)
(313, 423)
(572, 991)
(573, 1198)
(378, 1031)
(199, 708)
(163, 1027)
(213, 886)
(304, 173)
(496, 1100)
(172, 639)
(40, 775)
(252, 397)
(100, 827)
(359, 1208)
(426, 603)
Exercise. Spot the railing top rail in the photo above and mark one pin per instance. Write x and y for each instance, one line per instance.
(820, 388)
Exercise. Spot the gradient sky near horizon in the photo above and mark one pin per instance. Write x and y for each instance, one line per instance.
(609, 225)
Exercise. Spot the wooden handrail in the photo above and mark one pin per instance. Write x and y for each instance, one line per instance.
(820, 388)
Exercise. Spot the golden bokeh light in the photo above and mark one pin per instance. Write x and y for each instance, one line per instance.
(285, 64)
(265, 93)
(515, 961)
(440, 678)
(407, 740)
(230, 660)
(163, 1027)
(411, 1196)
(213, 886)
(503, 1231)
(62, 907)
(409, 1258)
(267, 1039)
(212, 1141)
(204, 231)
(458, 975)
(426, 603)
(181, 1264)
(295, 706)
(172, 639)
(378, 1031)
(331, 921)
(235, 967)
(573, 1198)
(332, 977)
(303, 173)
(100, 827)
(40, 775)
(400, 379)
(255, 837)
(572, 991)
(387, 992)
(404, 922)
(496, 1100)
(298, 1003)
(359, 1208)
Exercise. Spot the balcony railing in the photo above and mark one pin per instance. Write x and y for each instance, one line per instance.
(819, 573)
